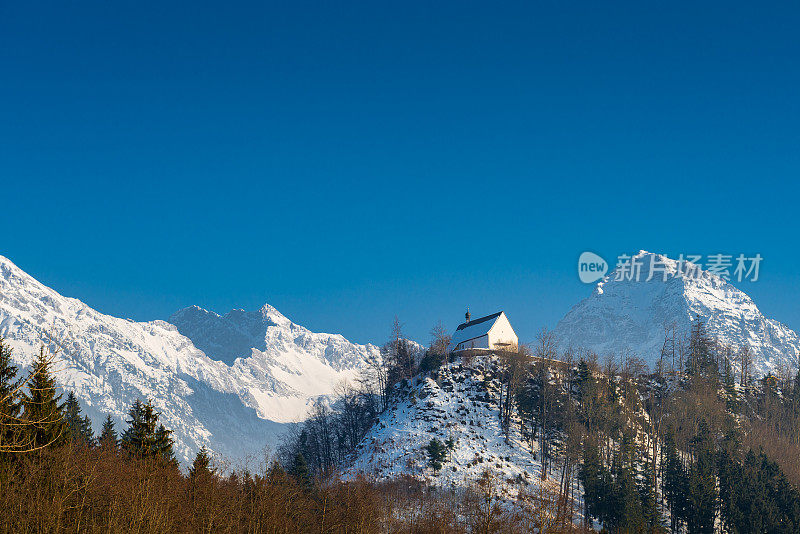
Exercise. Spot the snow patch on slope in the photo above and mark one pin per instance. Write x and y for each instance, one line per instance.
(457, 406)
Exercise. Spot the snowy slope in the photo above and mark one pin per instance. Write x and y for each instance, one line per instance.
(283, 367)
(630, 315)
(236, 405)
(457, 406)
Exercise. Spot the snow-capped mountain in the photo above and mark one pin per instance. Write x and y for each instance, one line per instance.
(626, 315)
(261, 371)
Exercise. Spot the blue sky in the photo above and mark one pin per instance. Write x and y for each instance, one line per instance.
(347, 162)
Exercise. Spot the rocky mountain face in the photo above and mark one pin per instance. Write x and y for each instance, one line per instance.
(628, 316)
(232, 382)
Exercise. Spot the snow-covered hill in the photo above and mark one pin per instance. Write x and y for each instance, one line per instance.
(261, 372)
(629, 315)
(460, 404)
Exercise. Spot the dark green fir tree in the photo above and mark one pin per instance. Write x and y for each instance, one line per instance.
(108, 439)
(43, 414)
(300, 472)
(201, 467)
(647, 493)
(10, 404)
(701, 497)
(145, 438)
(80, 427)
(674, 483)
(437, 453)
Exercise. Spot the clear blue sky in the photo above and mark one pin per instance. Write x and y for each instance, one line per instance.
(348, 162)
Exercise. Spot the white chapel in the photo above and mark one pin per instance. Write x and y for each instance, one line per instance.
(489, 333)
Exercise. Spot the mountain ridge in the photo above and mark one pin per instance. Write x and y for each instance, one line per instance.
(110, 362)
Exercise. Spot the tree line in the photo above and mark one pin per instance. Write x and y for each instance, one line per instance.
(33, 418)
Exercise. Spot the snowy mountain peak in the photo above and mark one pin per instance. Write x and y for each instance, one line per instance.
(229, 382)
(239, 332)
(629, 311)
(9, 271)
(269, 312)
(7, 262)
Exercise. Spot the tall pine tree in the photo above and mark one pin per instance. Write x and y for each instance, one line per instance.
(201, 467)
(675, 483)
(80, 427)
(108, 439)
(437, 453)
(164, 444)
(300, 472)
(591, 476)
(43, 414)
(10, 405)
(145, 438)
(701, 497)
(647, 493)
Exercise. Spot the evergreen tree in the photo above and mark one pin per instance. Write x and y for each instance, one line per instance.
(451, 446)
(731, 486)
(43, 413)
(590, 475)
(647, 493)
(300, 472)
(628, 454)
(584, 373)
(675, 483)
(276, 473)
(702, 487)
(437, 453)
(10, 405)
(625, 513)
(135, 438)
(584, 380)
(201, 467)
(80, 427)
(108, 435)
(144, 437)
(731, 400)
(587, 395)
(432, 361)
(755, 495)
(164, 444)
